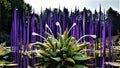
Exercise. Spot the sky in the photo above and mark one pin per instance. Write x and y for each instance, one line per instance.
(71, 4)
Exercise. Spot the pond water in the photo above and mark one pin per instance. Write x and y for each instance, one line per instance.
(94, 63)
(97, 62)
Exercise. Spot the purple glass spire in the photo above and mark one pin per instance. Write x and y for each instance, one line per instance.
(58, 30)
(104, 38)
(73, 29)
(83, 22)
(64, 24)
(20, 38)
(41, 29)
(15, 35)
(33, 38)
(71, 19)
(103, 49)
(21, 31)
(54, 24)
(33, 28)
(91, 32)
(27, 41)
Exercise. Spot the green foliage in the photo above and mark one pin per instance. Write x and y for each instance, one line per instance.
(114, 19)
(79, 58)
(61, 50)
(6, 4)
(4, 53)
(6, 63)
(6, 14)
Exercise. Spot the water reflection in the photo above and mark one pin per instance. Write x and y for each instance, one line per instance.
(98, 62)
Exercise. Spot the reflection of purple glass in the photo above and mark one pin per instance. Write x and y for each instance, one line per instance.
(103, 62)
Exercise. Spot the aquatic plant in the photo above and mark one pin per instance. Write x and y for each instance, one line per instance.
(3, 51)
(4, 54)
(64, 49)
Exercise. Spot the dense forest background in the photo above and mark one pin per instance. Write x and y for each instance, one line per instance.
(7, 8)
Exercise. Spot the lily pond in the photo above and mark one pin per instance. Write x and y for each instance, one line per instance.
(61, 40)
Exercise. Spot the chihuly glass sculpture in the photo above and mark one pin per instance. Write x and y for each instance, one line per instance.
(64, 49)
